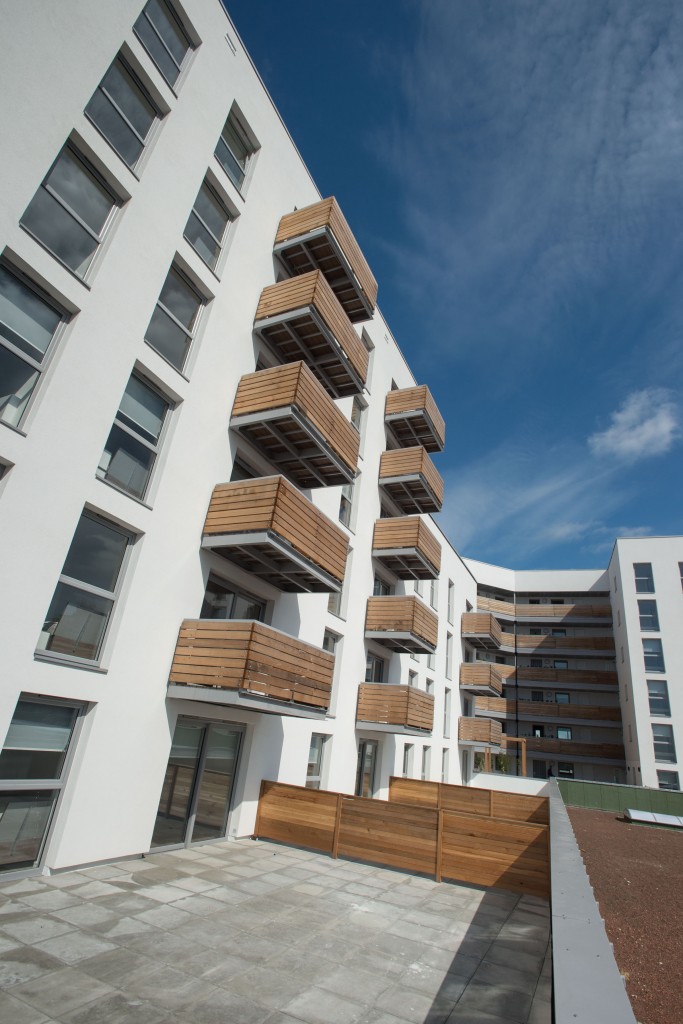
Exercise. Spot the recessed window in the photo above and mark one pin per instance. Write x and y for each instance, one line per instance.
(123, 111)
(374, 669)
(71, 211)
(434, 594)
(663, 737)
(163, 36)
(429, 687)
(431, 661)
(380, 587)
(314, 766)
(330, 641)
(28, 325)
(175, 318)
(559, 632)
(535, 663)
(407, 760)
(668, 780)
(451, 602)
(207, 225)
(645, 583)
(537, 696)
(649, 619)
(447, 713)
(357, 410)
(81, 608)
(234, 150)
(560, 664)
(562, 698)
(346, 505)
(658, 696)
(426, 757)
(680, 570)
(449, 655)
(445, 758)
(564, 732)
(653, 655)
(412, 678)
(133, 443)
(223, 601)
(565, 770)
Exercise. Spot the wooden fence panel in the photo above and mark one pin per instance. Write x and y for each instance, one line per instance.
(413, 791)
(296, 815)
(396, 835)
(465, 799)
(519, 807)
(490, 852)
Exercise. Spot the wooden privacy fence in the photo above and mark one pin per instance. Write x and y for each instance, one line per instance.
(416, 836)
(491, 803)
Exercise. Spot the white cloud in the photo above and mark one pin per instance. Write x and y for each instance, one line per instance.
(646, 424)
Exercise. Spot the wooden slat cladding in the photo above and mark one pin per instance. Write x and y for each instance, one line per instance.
(483, 678)
(544, 611)
(273, 504)
(403, 706)
(491, 803)
(407, 538)
(335, 353)
(294, 387)
(411, 479)
(357, 292)
(250, 656)
(479, 731)
(397, 835)
(293, 814)
(414, 418)
(485, 627)
(493, 852)
(546, 709)
(570, 748)
(403, 615)
(568, 675)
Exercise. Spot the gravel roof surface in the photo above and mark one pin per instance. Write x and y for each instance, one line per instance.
(637, 875)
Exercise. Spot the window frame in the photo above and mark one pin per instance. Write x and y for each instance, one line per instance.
(644, 580)
(565, 731)
(654, 658)
(191, 335)
(220, 242)
(663, 736)
(375, 665)
(447, 712)
(191, 45)
(239, 126)
(675, 779)
(138, 83)
(237, 592)
(651, 616)
(314, 781)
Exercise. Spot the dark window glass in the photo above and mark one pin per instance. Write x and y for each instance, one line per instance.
(123, 112)
(649, 619)
(96, 553)
(653, 655)
(658, 695)
(644, 579)
(223, 602)
(17, 381)
(233, 151)
(665, 749)
(26, 321)
(37, 741)
(207, 225)
(174, 319)
(164, 38)
(131, 447)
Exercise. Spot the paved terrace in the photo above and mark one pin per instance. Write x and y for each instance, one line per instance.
(252, 932)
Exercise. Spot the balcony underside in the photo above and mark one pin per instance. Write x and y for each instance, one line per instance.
(417, 427)
(406, 563)
(245, 700)
(318, 249)
(411, 493)
(291, 442)
(401, 643)
(263, 553)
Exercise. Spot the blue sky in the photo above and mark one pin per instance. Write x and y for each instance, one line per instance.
(513, 171)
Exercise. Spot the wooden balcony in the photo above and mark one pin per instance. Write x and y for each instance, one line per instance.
(402, 707)
(414, 418)
(479, 677)
(536, 709)
(290, 418)
(269, 528)
(551, 612)
(569, 749)
(402, 624)
(251, 659)
(317, 237)
(479, 732)
(410, 478)
(483, 631)
(301, 319)
(565, 676)
(407, 547)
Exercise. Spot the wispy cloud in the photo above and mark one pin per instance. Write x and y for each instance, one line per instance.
(646, 424)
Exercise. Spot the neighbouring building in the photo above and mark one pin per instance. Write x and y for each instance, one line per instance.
(217, 475)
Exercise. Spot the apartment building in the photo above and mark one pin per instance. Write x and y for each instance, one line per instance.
(217, 477)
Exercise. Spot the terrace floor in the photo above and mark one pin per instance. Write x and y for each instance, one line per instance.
(257, 933)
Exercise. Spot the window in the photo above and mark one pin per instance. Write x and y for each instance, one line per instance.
(654, 656)
(380, 588)
(4, 468)
(234, 150)
(28, 325)
(407, 760)
(70, 212)
(346, 505)
(426, 752)
(315, 761)
(668, 780)
(644, 580)
(34, 755)
(241, 471)
(374, 669)
(562, 698)
(419, 587)
(163, 36)
(123, 111)
(663, 737)
(444, 764)
(429, 687)
(431, 661)
(207, 225)
(223, 601)
(649, 619)
(535, 631)
(434, 594)
(412, 679)
(538, 769)
(680, 570)
(564, 732)
(175, 318)
(133, 442)
(535, 663)
(537, 696)
(447, 713)
(537, 731)
(334, 602)
(534, 600)
(451, 602)
(83, 601)
(561, 664)
(557, 600)
(330, 641)
(357, 410)
(565, 770)
(559, 632)
(449, 655)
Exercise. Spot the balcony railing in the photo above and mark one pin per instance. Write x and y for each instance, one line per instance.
(569, 749)
(269, 528)
(407, 547)
(403, 707)
(300, 318)
(252, 659)
(285, 413)
(483, 631)
(410, 478)
(552, 612)
(317, 237)
(479, 677)
(564, 676)
(402, 623)
(479, 732)
(536, 709)
(414, 418)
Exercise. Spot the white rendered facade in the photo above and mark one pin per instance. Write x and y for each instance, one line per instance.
(52, 444)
